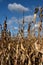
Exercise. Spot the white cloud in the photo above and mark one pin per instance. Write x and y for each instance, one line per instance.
(11, 22)
(27, 19)
(25, 30)
(14, 19)
(16, 6)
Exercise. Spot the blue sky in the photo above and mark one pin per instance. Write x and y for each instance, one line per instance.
(14, 14)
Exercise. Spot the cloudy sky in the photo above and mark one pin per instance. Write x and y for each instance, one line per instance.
(13, 9)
